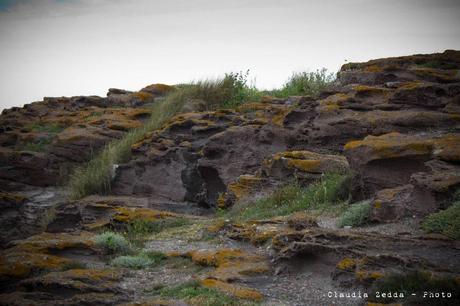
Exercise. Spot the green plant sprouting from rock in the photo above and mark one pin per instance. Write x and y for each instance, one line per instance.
(332, 189)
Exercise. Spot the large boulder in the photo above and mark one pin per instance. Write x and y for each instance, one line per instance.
(390, 160)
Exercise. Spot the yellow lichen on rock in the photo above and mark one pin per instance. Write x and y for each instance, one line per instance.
(439, 75)
(143, 96)
(36, 253)
(306, 162)
(244, 184)
(346, 264)
(305, 165)
(252, 107)
(215, 257)
(373, 90)
(333, 102)
(363, 276)
(373, 68)
(257, 232)
(392, 145)
(234, 290)
(230, 264)
(279, 115)
(11, 198)
(19, 265)
(128, 214)
(158, 89)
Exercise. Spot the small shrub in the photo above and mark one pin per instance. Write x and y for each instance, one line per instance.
(416, 282)
(140, 261)
(112, 243)
(305, 83)
(240, 90)
(131, 262)
(357, 214)
(446, 222)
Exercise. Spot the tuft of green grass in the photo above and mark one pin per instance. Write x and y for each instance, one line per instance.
(305, 83)
(139, 229)
(357, 214)
(331, 189)
(140, 261)
(417, 282)
(446, 222)
(112, 243)
(193, 291)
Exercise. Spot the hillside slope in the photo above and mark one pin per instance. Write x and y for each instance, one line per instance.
(277, 202)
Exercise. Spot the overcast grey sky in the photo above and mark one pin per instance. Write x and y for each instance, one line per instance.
(82, 47)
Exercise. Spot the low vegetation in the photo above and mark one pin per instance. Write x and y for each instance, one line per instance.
(112, 243)
(140, 261)
(330, 190)
(357, 214)
(419, 283)
(196, 294)
(42, 127)
(305, 84)
(139, 229)
(446, 222)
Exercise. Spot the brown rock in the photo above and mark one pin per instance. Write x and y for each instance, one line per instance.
(389, 160)
(392, 204)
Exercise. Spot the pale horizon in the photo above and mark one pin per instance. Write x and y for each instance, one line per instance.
(83, 47)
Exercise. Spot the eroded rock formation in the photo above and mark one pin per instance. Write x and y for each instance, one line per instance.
(394, 123)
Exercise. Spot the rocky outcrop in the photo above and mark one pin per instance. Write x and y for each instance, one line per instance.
(410, 174)
(392, 123)
(195, 155)
(439, 68)
(43, 141)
